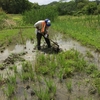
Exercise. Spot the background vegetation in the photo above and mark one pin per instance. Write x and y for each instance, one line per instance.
(70, 8)
(84, 29)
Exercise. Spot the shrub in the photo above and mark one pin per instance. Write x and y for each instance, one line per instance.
(2, 17)
(34, 15)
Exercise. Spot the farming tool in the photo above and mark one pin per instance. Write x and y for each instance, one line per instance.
(55, 47)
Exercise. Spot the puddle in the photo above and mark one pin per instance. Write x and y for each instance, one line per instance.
(4, 55)
(17, 50)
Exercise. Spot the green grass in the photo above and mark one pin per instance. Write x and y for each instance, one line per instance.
(9, 35)
(85, 29)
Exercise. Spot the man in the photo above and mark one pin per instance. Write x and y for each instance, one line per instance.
(42, 30)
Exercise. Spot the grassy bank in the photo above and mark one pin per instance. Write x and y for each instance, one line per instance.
(14, 36)
(84, 29)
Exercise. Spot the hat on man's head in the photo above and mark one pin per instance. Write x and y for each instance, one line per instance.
(48, 22)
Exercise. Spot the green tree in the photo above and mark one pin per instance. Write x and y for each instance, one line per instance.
(91, 7)
(15, 6)
(66, 8)
(36, 14)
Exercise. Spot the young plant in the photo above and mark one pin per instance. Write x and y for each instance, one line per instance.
(12, 80)
(25, 95)
(97, 84)
(43, 94)
(69, 86)
(51, 86)
(10, 91)
(60, 75)
(15, 68)
(27, 72)
(88, 54)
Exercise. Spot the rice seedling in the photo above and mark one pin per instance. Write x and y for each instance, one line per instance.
(44, 65)
(51, 86)
(1, 67)
(1, 79)
(79, 84)
(80, 65)
(51, 64)
(95, 74)
(12, 80)
(91, 68)
(60, 60)
(15, 98)
(69, 85)
(88, 54)
(25, 95)
(10, 90)
(68, 71)
(15, 69)
(39, 78)
(27, 71)
(60, 75)
(42, 94)
(80, 98)
(97, 84)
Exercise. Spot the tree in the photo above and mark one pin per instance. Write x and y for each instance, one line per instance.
(15, 6)
(97, 1)
(66, 8)
(90, 8)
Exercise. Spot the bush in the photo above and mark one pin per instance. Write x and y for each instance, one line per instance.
(2, 17)
(32, 16)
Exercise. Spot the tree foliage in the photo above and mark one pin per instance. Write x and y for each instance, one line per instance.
(66, 8)
(39, 14)
(73, 7)
(15, 6)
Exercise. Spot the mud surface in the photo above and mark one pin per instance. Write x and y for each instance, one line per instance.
(18, 53)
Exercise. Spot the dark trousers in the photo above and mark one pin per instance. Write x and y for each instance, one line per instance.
(39, 36)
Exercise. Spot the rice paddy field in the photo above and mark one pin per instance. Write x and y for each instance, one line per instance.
(70, 74)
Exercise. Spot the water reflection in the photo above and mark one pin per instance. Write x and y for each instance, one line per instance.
(4, 55)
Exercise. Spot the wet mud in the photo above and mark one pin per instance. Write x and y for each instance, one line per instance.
(15, 55)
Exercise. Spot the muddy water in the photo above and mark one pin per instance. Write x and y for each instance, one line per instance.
(28, 49)
(65, 44)
(30, 54)
(68, 43)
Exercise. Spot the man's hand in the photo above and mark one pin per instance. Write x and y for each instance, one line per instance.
(38, 31)
(46, 35)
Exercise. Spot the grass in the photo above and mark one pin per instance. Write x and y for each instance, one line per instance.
(69, 86)
(20, 32)
(16, 35)
(83, 28)
(10, 90)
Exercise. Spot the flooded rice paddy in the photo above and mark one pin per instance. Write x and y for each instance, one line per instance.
(27, 52)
